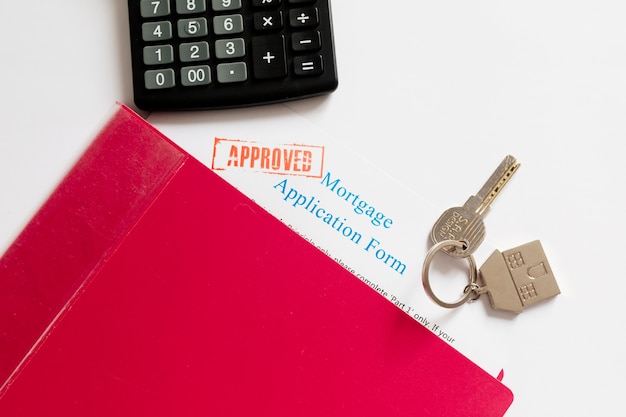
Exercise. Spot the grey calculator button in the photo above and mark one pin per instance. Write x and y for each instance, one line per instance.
(154, 8)
(194, 51)
(198, 75)
(190, 6)
(222, 5)
(158, 54)
(156, 31)
(228, 24)
(192, 28)
(233, 72)
(158, 79)
(230, 48)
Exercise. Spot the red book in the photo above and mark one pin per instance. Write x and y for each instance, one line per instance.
(148, 286)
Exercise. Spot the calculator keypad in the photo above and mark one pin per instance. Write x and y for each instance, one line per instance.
(204, 54)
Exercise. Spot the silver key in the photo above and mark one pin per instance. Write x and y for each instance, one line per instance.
(517, 278)
(465, 224)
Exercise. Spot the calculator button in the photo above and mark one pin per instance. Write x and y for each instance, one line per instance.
(223, 5)
(193, 51)
(230, 48)
(158, 79)
(154, 8)
(266, 3)
(306, 41)
(156, 31)
(308, 65)
(232, 72)
(158, 54)
(194, 76)
(192, 28)
(304, 17)
(268, 21)
(300, 1)
(190, 6)
(268, 57)
(228, 24)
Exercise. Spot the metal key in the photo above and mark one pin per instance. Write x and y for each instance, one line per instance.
(465, 224)
(517, 278)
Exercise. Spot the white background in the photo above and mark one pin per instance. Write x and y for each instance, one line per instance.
(433, 93)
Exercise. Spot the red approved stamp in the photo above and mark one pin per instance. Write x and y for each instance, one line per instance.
(301, 160)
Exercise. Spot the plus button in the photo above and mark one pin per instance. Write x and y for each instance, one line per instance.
(268, 57)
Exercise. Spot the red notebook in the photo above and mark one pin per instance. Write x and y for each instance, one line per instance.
(148, 286)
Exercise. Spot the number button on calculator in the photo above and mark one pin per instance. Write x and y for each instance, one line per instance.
(207, 54)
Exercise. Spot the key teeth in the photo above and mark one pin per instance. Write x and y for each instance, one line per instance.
(503, 177)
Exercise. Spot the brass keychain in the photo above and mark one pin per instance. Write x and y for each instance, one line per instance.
(513, 279)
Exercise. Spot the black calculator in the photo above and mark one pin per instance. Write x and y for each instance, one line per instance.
(210, 54)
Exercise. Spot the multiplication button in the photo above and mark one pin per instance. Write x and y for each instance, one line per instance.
(268, 21)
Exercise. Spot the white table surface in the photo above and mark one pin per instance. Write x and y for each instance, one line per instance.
(435, 94)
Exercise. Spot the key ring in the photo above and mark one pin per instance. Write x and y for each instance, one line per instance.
(470, 289)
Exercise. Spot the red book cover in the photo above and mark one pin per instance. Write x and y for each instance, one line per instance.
(147, 285)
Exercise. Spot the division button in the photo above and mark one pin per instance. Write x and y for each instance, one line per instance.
(307, 17)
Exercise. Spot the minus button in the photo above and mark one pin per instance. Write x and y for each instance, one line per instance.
(306, 41)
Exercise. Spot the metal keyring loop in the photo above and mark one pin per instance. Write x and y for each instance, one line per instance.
(473, 274)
